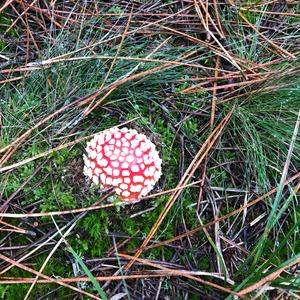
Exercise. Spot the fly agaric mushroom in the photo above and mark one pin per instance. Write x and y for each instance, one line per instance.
(125, 160)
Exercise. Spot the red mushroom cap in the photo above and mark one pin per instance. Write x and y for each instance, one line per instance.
(124, 159)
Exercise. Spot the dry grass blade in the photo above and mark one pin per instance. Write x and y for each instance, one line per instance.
(49, 62)
(194, 89)
(11, 228)
(270, 12)
(213, 102)
(18, 280)
(11, 79)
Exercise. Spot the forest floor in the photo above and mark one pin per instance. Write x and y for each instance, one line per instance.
(215, 85)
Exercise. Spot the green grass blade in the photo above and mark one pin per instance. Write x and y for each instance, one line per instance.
(89, 274)
(274, 216)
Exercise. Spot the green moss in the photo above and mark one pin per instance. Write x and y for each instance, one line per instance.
(128, 225)
(204, 262)
(5, 22)
(92, 239)
(2, 45)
